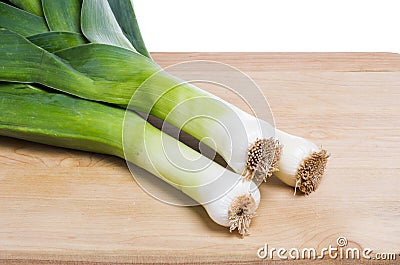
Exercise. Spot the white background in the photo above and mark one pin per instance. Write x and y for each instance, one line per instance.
(264, 25)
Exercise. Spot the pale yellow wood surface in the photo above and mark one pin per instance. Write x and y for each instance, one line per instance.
(59, 205)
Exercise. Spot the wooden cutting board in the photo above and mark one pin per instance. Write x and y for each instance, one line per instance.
(64, 206)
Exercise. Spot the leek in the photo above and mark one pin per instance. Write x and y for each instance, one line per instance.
(87, 69)
(32, 114)
(110, 70)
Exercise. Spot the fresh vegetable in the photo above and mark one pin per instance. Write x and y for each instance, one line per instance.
(88, 71)
(110, 70)
(61, 120)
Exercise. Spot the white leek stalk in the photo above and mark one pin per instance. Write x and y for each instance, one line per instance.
(246, 143)
(228, 200)
(302, 163)
(250, 146)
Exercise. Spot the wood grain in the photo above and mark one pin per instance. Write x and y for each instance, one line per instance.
(288, 62)
(60, 206)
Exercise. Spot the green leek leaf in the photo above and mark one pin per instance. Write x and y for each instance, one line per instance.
(92, 71)
(54, 41)
(62, 15)
(22, 22)
(23, 61)
(100, 26)
(31, 6)
(125, 15)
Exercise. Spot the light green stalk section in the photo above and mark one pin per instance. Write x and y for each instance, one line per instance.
(55, 41)
(61, 120)
(63, 15)
(153, 92)
(99, 24)
(21, 22)
(31, 6)
(125, 15)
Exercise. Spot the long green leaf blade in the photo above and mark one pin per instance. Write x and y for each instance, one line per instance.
(92, 71)
(63, 15)
(125, 15)
(54, 41)
(22, 61)
(20, 21)
(109, 64)
(7, 87)
(100, 26)
(31, 6)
